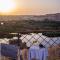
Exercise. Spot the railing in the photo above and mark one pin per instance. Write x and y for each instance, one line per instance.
(52, 42)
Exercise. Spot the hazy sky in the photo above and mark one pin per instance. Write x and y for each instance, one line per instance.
(36, 7)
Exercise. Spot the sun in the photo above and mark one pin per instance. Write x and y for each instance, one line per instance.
(7, 6)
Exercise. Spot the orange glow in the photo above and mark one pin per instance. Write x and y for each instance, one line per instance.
(7, 6)
(28, 7)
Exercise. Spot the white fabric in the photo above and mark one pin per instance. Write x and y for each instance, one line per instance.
(38, 53)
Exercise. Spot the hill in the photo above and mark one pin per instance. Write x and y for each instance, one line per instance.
(18, 23)
(54, 17)
(27, 25)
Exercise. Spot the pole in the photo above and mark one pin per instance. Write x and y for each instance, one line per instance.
(18, 47)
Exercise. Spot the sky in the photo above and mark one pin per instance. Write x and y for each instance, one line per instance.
(39, 7)
(35, 7)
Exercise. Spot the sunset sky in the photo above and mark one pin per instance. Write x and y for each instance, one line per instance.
(29, 7)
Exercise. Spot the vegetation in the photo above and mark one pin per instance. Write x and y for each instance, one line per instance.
(29, 25)
(51, 34)
(14, 26)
